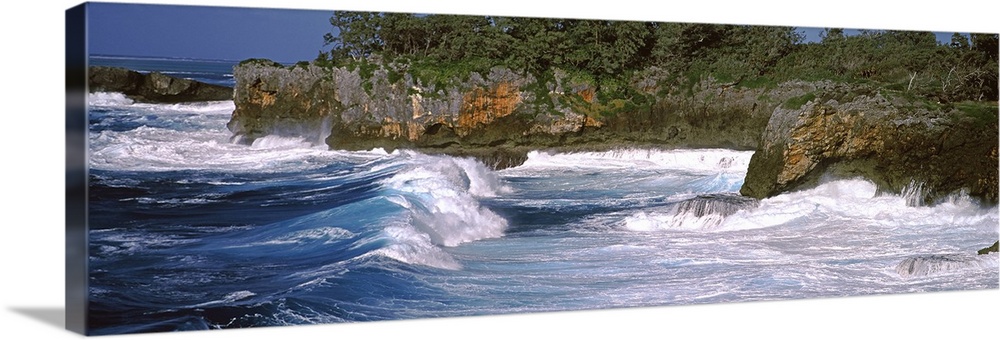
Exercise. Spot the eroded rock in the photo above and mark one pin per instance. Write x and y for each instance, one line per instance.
(497, 117)
(153, 87)
(930, 154)
(991, 249)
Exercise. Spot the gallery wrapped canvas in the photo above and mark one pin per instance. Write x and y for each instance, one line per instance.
(248, 167)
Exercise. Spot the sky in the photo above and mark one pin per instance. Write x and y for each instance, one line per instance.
(812, 34)
(227, 33)
(204, 32)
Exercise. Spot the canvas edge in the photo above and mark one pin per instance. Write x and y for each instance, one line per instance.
(76, 169)
(76, 226)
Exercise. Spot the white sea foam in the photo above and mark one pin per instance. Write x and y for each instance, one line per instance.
(133, 242)
(408, 245)
(442, 194)
(280, 142)
(854, 200)
(937, 264)
(108, 99)
(643, 221)
(229, 298)
(703, 212)
(172, 201)
(857, 200)
(697, 160)
(193, 136)
(130, 107)
(326, 234)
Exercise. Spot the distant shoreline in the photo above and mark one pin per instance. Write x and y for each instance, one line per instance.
(153, 87)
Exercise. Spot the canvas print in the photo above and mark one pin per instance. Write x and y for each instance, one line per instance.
(360, 166)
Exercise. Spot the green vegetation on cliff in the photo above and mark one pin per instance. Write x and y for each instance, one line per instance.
(611, 55)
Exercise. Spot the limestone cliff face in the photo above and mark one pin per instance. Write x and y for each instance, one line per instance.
(498, 116)
(844, 131)
(357, 113)
(277, 100)
(482, 106)
(924, 154)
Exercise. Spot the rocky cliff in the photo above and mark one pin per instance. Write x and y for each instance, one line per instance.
(153, 87)
(497, 116)
(803, 131)
(923, 153)
(991, 249)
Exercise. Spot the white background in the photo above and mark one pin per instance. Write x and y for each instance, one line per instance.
(31, 189)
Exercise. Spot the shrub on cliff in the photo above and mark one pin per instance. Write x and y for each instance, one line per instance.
(262, 62)
(612, 52)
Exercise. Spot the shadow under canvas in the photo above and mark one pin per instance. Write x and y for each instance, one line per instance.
(53, 316)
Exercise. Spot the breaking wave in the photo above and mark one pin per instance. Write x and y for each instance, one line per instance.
(936, 264)
(699, 160)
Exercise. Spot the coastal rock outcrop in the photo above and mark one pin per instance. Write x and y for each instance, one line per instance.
(991, 249)
(154, 87)
(496, 116)
(802, 131)
(922, 153)
(716, 204)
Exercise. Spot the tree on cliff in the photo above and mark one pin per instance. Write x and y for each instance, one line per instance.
(357, 34)
(610, 52)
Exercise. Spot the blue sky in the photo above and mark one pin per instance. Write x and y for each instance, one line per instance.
(812, 34)
(206, 32)
(229, 33)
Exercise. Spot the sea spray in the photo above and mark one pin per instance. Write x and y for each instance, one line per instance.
(925, 265)
(108, 99)
(129, 136)
(280, 142)
(428, 202)
(703, 212)
(699, 160)
(441, 194)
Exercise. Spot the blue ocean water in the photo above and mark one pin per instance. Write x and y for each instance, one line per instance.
(218, 72)
(189, 231)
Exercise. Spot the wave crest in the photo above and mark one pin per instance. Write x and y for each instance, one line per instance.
(108, 99)
(703, 212)
(441, 193)
(439, 197)
(933, 264)
(695, 160)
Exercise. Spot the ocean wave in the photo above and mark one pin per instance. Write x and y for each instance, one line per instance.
(859, 200)
(280, 142)
(166, 149)
(228, 299)
(443, 191)
(118, 243)
(695, 160)
(855, 200)
(411, 246)
(703, 212)
(425, 204)
(121, 101)
(193, 136)
(108, 99)
(927, 265)
(325, 235)
(438, 201)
